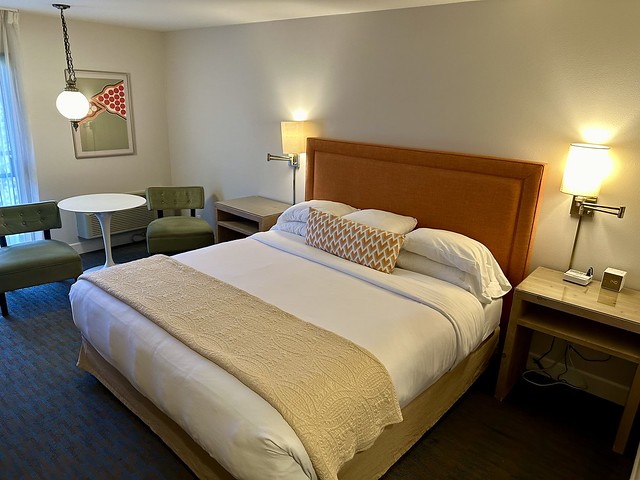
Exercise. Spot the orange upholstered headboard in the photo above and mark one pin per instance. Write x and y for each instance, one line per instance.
(493, 200)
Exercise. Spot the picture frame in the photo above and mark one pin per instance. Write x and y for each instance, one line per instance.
(107, 130)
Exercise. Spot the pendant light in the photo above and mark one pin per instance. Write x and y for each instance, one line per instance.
(71, 103)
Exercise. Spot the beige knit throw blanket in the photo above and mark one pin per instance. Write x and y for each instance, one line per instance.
(336, 396)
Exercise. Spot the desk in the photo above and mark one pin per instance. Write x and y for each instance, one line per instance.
(103, 205)
(602, 320)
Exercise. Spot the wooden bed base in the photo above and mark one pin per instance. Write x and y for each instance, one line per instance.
(493, 200)
(420, 415)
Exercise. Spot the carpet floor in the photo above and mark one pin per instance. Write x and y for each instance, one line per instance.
(58, 422)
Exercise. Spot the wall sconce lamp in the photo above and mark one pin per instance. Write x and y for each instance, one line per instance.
(294, 142)
(587, 165)
(71, 103)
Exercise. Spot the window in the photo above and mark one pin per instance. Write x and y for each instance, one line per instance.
(8, 183)
(18, 183)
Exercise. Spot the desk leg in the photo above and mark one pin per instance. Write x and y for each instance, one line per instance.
(628, 415)
(105, 224)
(514, 352)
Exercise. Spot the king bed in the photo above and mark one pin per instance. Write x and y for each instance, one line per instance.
(457, 228)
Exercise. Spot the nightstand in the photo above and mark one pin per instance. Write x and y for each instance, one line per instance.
(241, 217)
(599, 319)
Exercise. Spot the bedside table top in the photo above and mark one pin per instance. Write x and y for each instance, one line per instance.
(621, 307)
(256, 205)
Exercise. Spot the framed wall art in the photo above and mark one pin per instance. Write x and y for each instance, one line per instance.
(107, 130)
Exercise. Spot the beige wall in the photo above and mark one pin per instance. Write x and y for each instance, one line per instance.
(520, 79)
(94, 47)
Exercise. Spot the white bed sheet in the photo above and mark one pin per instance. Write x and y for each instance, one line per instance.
(249, 438)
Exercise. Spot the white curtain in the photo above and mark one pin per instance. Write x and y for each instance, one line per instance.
(18, 182)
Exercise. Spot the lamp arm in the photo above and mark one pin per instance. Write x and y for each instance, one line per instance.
(618, 211)
(292, 158)
(284, 158)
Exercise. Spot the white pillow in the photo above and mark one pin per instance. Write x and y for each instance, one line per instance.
(294, 218)
(464, 253)
(383, 220)
(300, 211)
(425, 266)
(297, 228)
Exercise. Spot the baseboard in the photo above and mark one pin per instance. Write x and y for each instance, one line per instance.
(594, 384)
(117, 239)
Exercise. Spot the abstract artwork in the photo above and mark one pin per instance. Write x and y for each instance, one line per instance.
(107, 130)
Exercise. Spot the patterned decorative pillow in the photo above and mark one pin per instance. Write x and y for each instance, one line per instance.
(368, 246)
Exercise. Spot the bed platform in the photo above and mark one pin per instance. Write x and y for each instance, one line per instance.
(493, 200)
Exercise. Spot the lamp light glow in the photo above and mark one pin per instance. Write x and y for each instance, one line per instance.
(72, 104)
(300, 115)
(587, 165)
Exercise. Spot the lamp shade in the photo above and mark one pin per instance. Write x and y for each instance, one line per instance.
(587, 165)
(72, 104)
(293, 138)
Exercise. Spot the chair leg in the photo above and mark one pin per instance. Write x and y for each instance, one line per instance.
(3, 304)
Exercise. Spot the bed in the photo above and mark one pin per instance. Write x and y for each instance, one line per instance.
(494, 201)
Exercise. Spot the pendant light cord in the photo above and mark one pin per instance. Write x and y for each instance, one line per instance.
(71, 79)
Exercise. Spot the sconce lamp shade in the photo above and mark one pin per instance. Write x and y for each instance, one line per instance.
(294, 136)
(294, 143)
(72, 104)
(587, 165)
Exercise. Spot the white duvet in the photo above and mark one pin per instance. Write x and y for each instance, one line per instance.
(417, 326)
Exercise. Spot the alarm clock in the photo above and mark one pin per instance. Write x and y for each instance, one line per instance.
(613, 279)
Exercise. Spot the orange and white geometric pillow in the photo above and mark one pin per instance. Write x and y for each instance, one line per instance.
(369, 246)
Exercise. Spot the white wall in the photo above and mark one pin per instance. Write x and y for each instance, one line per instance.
(94, 47)
(520, 79)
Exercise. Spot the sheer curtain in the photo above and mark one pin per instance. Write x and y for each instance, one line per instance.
(18, 183)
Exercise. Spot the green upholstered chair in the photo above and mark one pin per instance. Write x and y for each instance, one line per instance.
(34, 263)
(178, 233)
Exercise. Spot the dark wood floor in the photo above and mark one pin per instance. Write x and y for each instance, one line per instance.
(551, 433)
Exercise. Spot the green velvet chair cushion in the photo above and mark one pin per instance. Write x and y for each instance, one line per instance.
(175, 198)
(178, 234)
(36, 263)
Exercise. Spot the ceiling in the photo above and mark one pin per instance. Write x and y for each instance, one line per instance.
(166, 15)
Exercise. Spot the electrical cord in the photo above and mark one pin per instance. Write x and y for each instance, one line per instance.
(538, 360)
(568, 362)
(605, 359)
(544, 372)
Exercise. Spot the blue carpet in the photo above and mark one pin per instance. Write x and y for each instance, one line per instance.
(57, 421)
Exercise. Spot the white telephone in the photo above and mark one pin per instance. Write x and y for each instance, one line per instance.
(576, 276)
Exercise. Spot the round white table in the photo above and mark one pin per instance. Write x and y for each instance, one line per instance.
(103, 205)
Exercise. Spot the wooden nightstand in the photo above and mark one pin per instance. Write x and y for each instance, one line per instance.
(600, 319)
(241, 217)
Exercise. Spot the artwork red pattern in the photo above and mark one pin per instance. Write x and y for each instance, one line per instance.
(111, 99)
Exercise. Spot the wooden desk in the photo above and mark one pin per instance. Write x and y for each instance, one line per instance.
(599, 319)
(245, 216)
